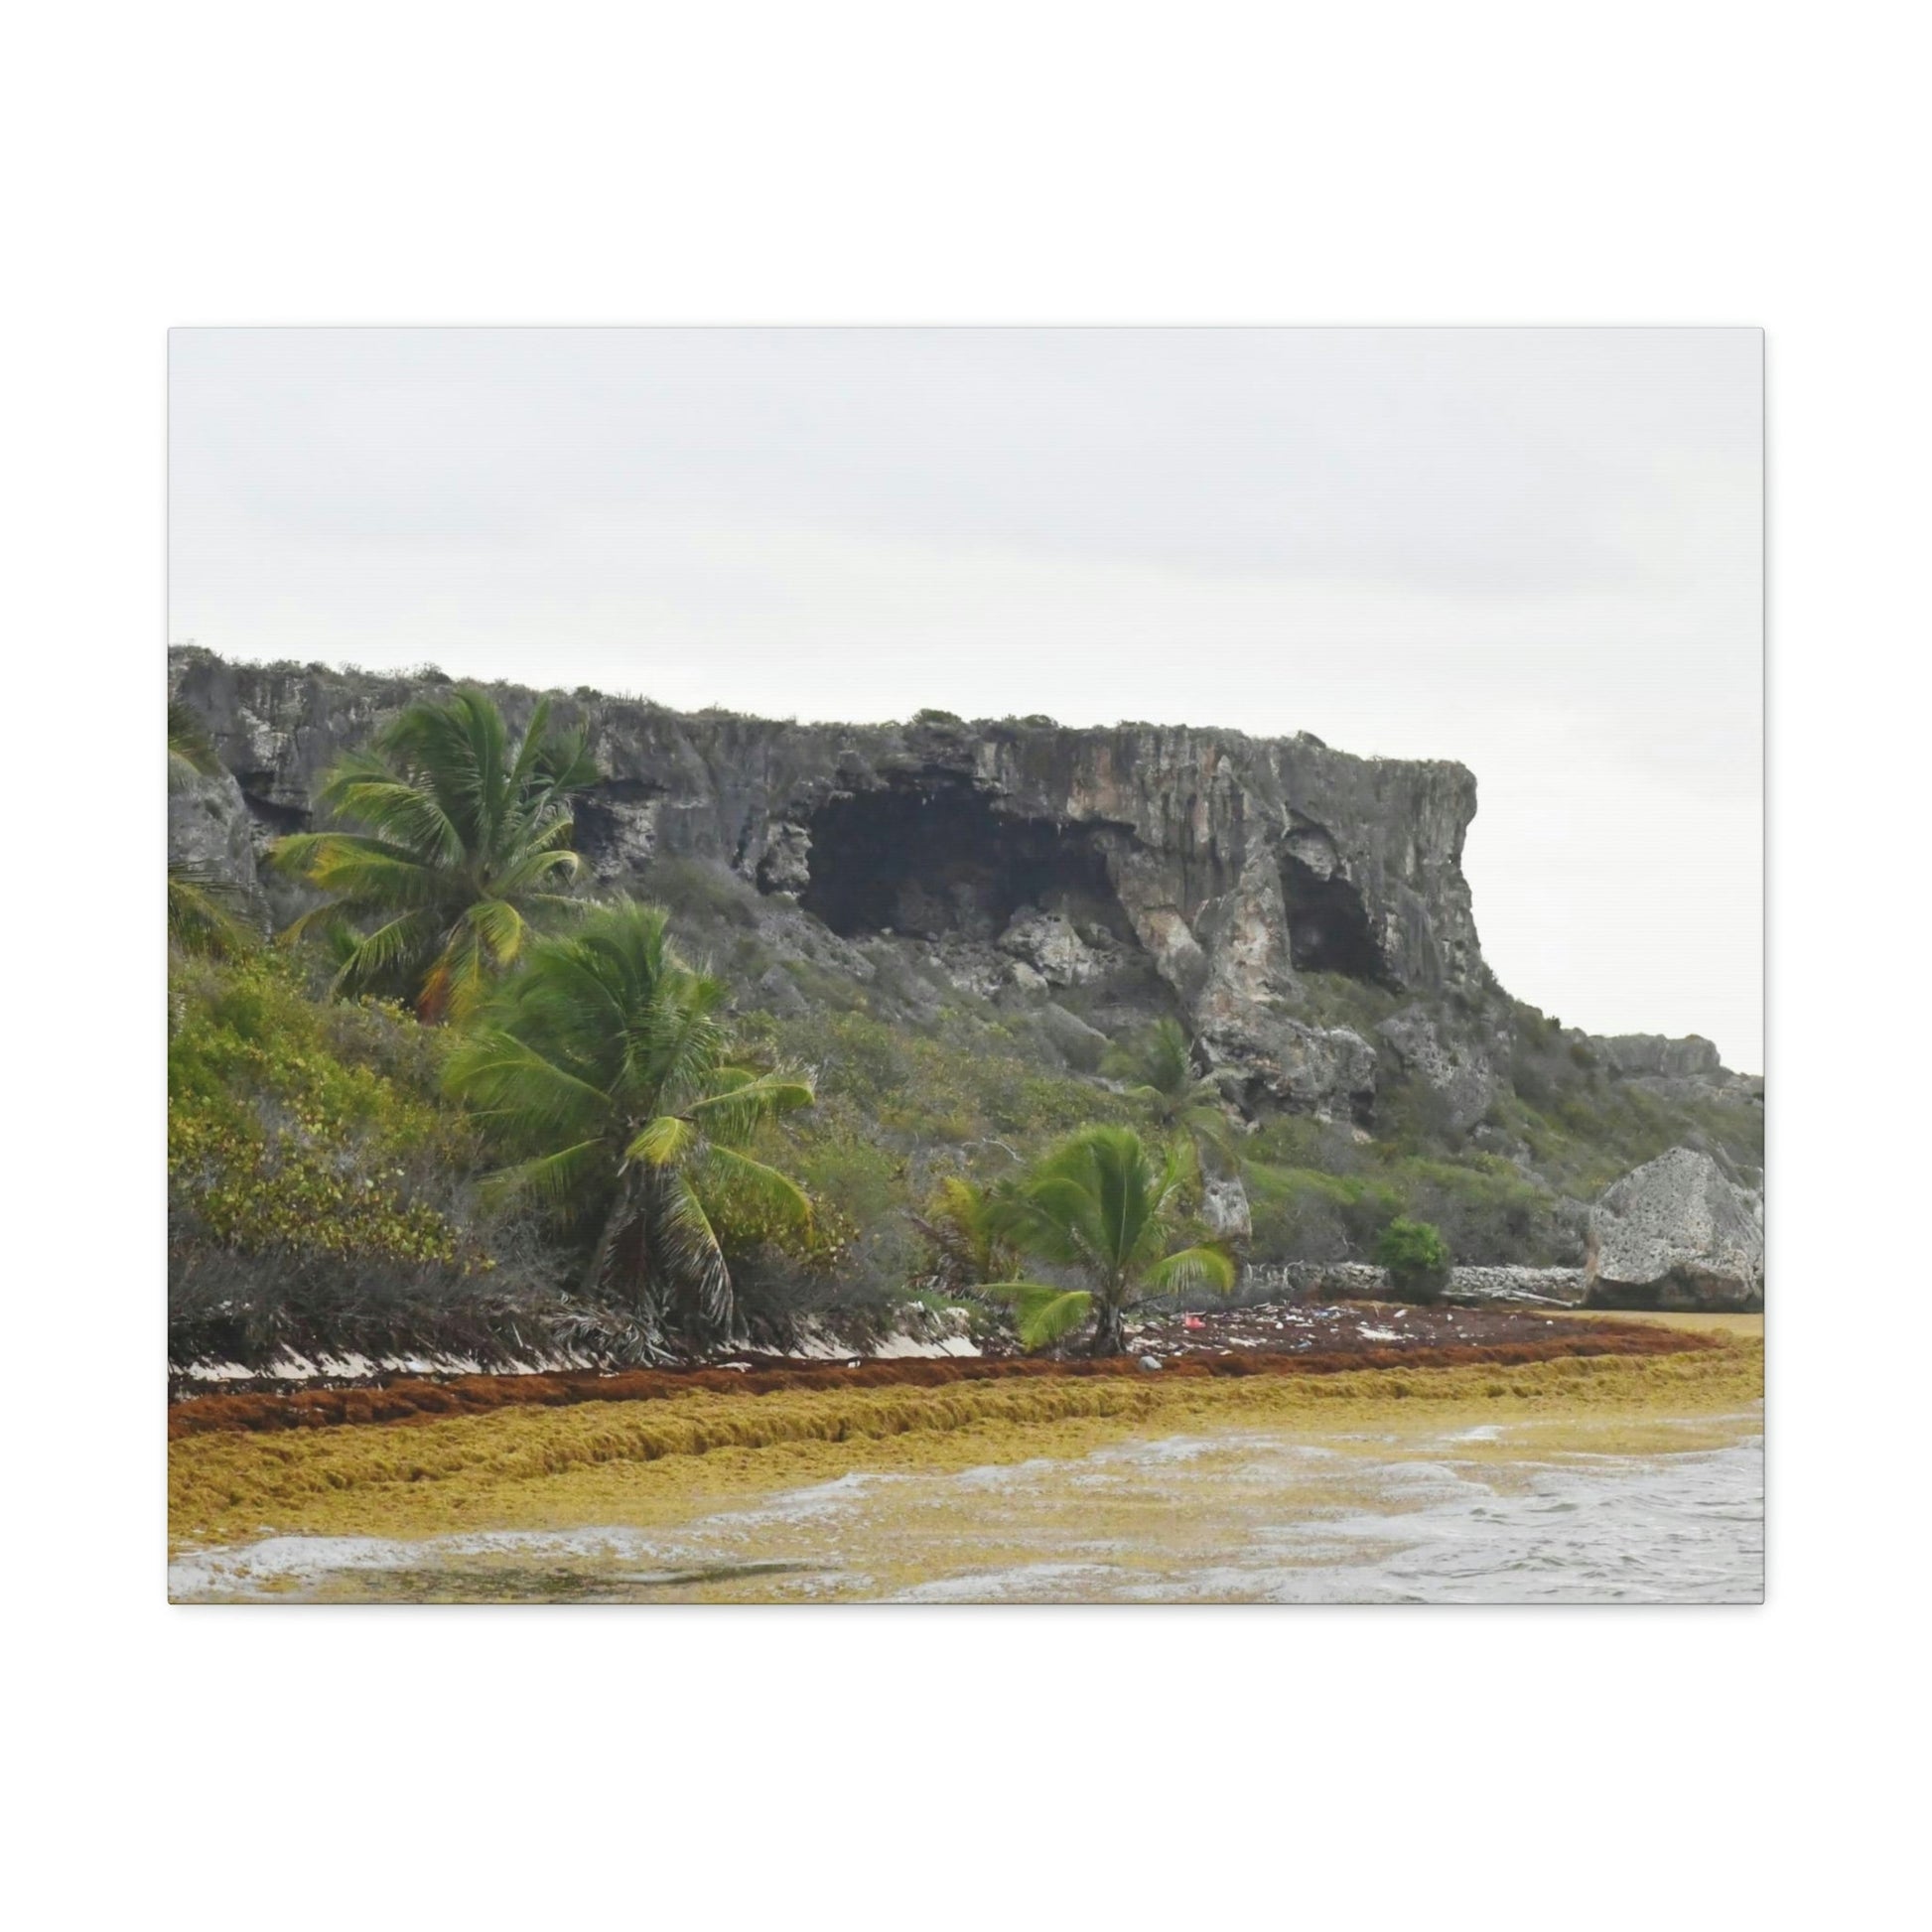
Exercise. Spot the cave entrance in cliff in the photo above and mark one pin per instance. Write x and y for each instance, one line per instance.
(937, 861)
(1327, 924)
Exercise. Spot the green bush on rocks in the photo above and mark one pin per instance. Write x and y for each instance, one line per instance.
(1417, 1258)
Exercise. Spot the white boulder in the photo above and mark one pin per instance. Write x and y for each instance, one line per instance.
(1677, 1233)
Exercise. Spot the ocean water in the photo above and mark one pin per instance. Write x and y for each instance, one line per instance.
(1678, 1529)
(1232, 1518)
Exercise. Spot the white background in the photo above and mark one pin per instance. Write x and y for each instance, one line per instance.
(1680, 163)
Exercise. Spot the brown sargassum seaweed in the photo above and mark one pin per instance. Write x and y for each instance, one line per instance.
(420, 1399)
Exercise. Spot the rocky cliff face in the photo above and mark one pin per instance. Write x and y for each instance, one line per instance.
(1247, 883)
(210, 830)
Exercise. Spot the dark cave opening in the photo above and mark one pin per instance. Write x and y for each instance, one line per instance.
(931, 861)
(1327, 924)
(604, 818)
(265, 810)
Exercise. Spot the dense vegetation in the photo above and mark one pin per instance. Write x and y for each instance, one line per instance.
(538, 1127)
(322, 1190)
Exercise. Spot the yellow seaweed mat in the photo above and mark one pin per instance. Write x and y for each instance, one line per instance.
(648, 1463)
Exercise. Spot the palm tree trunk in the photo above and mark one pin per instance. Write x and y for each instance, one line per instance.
(616, 1264)
(621, 1261)
(1107, 1336)
(594, 1282)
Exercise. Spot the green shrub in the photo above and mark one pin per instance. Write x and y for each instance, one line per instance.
(959, 1080)
(1339, 1000)
(1303, 1214)
(1301, 1140)
(694, 890)
(1413, 1117)
(302, 1129)
(845, 1171)
(1417, 1258)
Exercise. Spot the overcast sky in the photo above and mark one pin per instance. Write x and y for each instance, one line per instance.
(1538, 551)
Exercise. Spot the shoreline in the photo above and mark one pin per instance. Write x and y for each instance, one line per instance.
(1260, 1342)
(650, 1462)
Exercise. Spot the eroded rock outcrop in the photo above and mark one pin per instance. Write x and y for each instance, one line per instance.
(1463, 1066)
(1677, 1233)
(1238, 881)
(1677, 1070)
(1049, 944)
(1472, 1286)
(210, 832)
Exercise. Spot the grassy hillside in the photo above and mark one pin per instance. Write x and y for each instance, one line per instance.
(325, 1194)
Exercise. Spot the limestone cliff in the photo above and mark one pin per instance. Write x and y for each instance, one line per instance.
(1250, 884)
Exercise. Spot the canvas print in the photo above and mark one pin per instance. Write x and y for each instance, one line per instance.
(860, 965)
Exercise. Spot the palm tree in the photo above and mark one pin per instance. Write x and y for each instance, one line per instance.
(465, 835)
(191, 750)
(1160, 1071)
(963, 1224)
(204, 912)
(607, 1065)
(205, 908)
(1102, 1203)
